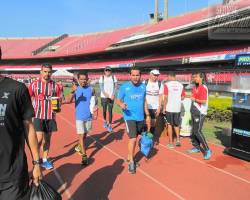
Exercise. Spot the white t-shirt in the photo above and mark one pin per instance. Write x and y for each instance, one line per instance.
(174, 91)
(152, 94)
(108, 85)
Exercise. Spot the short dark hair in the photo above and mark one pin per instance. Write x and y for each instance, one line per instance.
(172, 74)
(46, 65)
(134, 68)
(83, 73)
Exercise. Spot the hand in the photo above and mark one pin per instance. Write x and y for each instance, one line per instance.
(37, 174)
(74, 88)
(123, 106)
(148, 122)
(112, 97)
(157, 112)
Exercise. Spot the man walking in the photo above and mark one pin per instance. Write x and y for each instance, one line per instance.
(154, 93)
(174, 93)
(16, 126)
(132, 100)
(44, 122)
(108, 87)
(85, 108)
(199, 108)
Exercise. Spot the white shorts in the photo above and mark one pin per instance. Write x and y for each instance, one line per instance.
(83, 127)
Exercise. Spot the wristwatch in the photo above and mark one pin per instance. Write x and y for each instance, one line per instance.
(36, 162)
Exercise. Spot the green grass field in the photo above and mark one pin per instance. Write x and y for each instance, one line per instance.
(213, 131)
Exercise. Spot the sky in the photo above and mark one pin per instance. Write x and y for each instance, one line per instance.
(34, 18)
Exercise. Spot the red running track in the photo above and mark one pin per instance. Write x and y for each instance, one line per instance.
(168, 174)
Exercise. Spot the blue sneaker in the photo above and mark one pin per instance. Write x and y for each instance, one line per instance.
(47, 165)
(110, 129)
(193, 150)
(207, 155)
(105, 125)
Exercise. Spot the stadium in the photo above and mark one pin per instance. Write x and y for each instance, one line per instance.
(211, 40)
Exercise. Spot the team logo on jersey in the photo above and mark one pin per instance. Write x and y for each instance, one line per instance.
(5, 95)
(2, 109)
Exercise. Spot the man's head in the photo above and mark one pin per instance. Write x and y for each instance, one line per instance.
(135, 75)
(83, 78)
(197, 77)
(171, 76)
(154, 74)
(46, 71)
(107, 71)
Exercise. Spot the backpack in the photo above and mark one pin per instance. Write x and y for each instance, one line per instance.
(159, 84)
(113, 78)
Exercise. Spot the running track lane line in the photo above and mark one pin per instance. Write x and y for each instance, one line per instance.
(140, 170)
(63, 184)
(204, 163)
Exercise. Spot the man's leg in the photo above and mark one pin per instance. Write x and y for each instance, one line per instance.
(177, 121)
(104, 111)
(207, 152)
(132, 134)
(110, 111)
(194, 139)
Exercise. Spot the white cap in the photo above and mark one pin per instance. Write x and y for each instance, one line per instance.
(155, 72)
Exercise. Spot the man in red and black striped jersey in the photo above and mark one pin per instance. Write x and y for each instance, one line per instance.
(41, 91)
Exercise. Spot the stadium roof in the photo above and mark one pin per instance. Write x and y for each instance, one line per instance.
(23, 48)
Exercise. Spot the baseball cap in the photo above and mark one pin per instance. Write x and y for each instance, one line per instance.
(155, 72)
(107, 68)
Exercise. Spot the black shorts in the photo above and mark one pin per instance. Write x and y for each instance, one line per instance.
(173, 119)
(107, 101)
(152, 113)
(15, 191)
(134, 128)
(45, 125)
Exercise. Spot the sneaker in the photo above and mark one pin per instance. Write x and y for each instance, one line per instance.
(131, 168)
(178, 144)
(193, 150)
(110, 129)
(137, 164)
(78, 149)
(170, 146)
(105, 125)
(207, 155)
(85, 160)
(47, 165)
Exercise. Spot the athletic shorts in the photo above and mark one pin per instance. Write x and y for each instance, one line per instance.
(83, 127)
(134, 128)
(16, 191)
(152, 113)
(45, 125)
(173, 119)
(106, 101)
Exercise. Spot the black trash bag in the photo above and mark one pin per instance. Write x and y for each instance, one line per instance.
(43, 192)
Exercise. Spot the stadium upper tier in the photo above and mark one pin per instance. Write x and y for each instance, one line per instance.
(23, 48)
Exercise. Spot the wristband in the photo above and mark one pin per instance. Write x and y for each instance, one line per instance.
(36, 162)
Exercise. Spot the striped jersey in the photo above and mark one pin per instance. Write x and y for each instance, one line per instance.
(41, 92)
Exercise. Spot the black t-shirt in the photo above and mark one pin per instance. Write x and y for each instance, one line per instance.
(15, 106)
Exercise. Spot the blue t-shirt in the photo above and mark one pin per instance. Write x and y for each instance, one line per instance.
(134, 97)
(82, 103)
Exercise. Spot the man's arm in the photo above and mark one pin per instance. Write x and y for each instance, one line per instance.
(148, 118)
(32, 142)
(121, 104)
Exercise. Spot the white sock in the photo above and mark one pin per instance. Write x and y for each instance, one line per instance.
(44, 159)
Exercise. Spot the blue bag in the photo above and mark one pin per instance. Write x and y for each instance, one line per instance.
(146, 143)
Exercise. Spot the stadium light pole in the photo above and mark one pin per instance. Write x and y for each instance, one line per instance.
(165, 9)
(156, 14)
